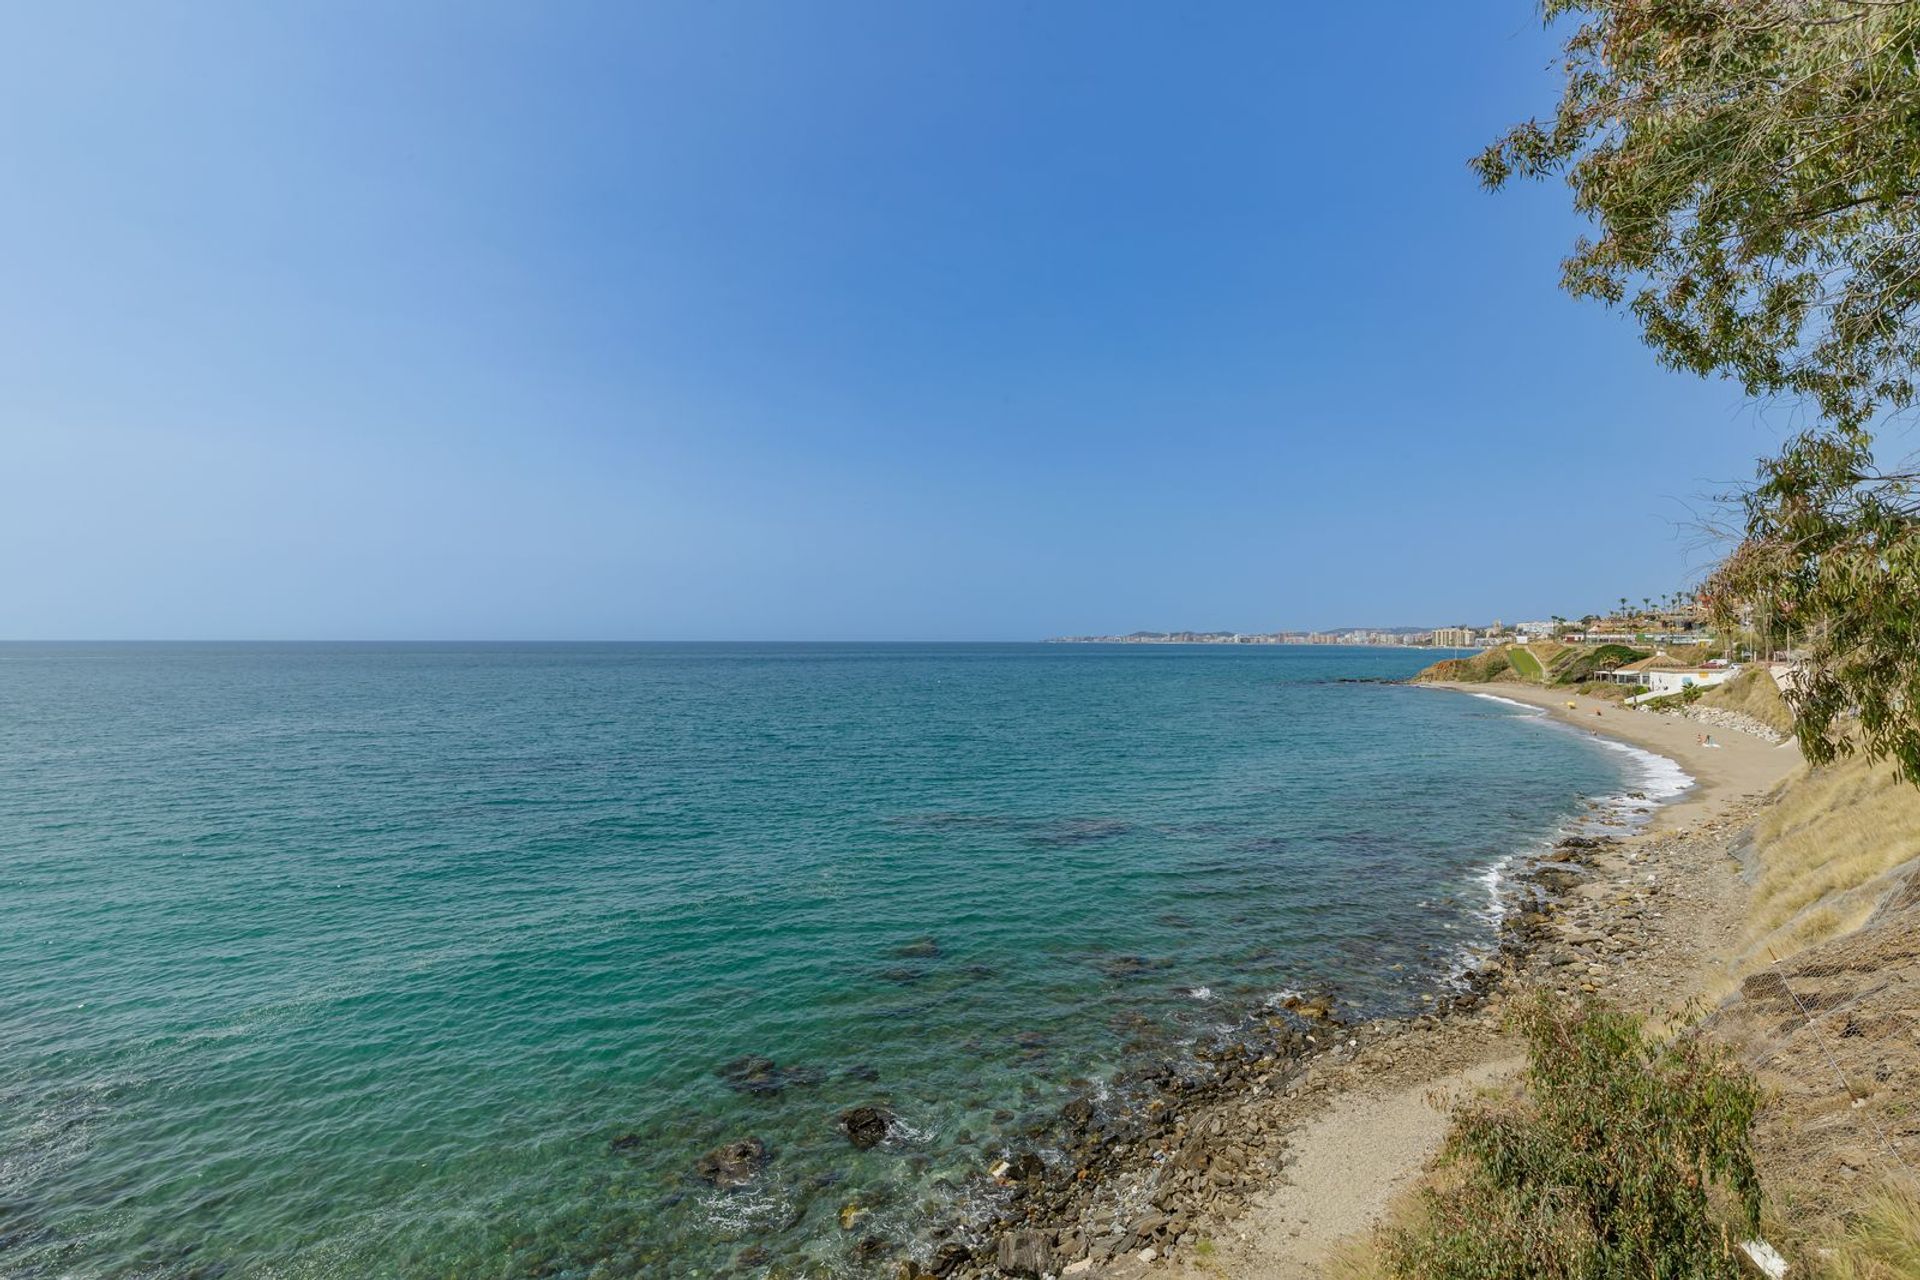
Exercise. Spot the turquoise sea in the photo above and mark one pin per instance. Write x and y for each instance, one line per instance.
(430, 960)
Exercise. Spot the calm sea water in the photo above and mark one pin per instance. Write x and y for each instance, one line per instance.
(356, 961)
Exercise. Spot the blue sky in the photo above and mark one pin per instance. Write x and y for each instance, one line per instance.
(764, 320)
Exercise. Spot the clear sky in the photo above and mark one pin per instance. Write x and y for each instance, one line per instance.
(807, 320)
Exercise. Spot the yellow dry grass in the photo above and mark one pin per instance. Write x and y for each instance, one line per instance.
(1824, 851)
(1754, 693)
(1357, 1260)
(1881, 1243)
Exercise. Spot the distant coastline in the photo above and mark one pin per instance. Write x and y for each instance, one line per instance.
(1382, 637)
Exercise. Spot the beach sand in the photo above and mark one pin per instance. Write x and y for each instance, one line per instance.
(1737, 765)
(1383, 1115)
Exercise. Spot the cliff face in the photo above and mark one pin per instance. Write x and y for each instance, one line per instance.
(1481, 668)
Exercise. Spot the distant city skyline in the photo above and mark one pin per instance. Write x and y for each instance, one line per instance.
(837, 321)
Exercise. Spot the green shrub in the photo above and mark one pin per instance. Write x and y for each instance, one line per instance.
(1627, 1159)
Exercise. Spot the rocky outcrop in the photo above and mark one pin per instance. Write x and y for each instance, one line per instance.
(1025, 1254)
(865, 1126)
(733, 1165)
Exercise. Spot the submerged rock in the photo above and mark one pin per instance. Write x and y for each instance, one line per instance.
(752, 1074)
(1127, 967)
(733, 1165)
(865, 1126)
(918, 949)
(764, 1077)
(1068, 833)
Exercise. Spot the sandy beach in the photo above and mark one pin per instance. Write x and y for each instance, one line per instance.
(1667, 901)
(1270, 1178)
(1737, 765)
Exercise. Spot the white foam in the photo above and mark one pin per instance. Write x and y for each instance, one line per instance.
(1494, 879)
(1527, 707)
(1201, 993)
(917, 1134)
(1662, 778)
(749, 1210)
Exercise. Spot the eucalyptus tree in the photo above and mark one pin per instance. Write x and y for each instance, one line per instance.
(1751, 172)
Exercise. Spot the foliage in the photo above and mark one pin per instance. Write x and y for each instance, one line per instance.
(1478, 669)
(1832, 559)
(1525, 665)
(1752, 168)
(1606, 1169)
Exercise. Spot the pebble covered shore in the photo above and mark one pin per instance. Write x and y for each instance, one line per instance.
(1137, 1182)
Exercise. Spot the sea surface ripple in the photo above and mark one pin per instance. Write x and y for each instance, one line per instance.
(427, 960)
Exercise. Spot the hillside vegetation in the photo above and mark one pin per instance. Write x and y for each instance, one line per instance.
(1492, 664)
(1826, 852)
(1525, 665)
(1754, 693)
(1542, 662)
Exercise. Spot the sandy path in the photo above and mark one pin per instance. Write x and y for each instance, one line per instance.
(1349, 1164)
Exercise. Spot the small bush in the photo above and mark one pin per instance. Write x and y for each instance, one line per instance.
(1606, 1170)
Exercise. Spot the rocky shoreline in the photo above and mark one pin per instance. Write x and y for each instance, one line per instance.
(1175, 1166)
(1179, 1153)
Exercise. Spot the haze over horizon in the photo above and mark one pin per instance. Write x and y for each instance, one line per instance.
(850, 321)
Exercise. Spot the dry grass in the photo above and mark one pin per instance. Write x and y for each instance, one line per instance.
(1824, 851)
(1358, 1260)
(1362, 1257)
(1754, 693)
(1882, 1243)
